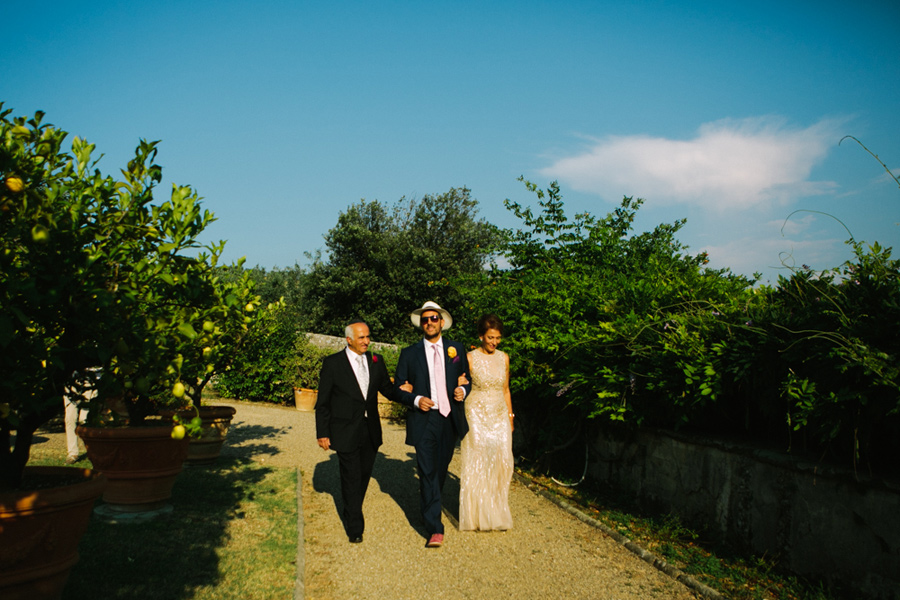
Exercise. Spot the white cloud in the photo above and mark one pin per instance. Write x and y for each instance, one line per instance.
(729, 164)
(772, 257)
(794, 224)
(772, 247)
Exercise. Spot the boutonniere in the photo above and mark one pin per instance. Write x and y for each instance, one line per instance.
(374, 358)
(451, 352)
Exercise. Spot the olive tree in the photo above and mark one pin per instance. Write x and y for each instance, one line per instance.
(383, 261)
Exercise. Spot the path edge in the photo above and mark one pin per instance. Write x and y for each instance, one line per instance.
(677, 574)
(300, 577)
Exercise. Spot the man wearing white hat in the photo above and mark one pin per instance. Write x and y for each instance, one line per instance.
(437, 420)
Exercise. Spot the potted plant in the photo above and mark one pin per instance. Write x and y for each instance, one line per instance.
(301, 370)
(57, 221)
(169, 329)
(215, 330)
(93, 274)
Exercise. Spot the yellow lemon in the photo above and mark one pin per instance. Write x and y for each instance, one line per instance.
(178, 390)
(40, 234)
(15, 184)
(178, 432)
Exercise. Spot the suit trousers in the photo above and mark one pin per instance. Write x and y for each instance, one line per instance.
(356, 470)
(433, 455)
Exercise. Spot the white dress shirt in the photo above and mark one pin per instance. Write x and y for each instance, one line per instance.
(429, 356)
(361, 371)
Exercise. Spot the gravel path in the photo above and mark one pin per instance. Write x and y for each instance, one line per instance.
(548, 554)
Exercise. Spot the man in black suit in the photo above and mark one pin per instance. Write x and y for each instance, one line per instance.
(347, 419)
(432, 368)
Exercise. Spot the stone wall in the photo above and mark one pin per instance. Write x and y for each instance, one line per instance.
(339, 343)
(816, 520)
(386, 408)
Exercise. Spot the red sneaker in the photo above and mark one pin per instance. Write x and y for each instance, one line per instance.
(435, 541)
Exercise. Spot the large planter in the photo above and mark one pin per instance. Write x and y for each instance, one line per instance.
(305, 399)
(216, 421)
(40, 531)
(141, 464)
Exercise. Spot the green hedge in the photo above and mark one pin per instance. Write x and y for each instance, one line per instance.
(607, 324)
(256, 372)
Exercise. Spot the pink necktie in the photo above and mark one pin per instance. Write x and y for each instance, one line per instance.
(441, 383)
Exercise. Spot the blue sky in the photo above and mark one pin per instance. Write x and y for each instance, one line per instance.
(282, 114)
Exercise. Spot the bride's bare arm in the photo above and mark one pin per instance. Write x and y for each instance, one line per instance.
(507, 395)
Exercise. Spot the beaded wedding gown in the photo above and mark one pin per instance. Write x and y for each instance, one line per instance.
(486, 451)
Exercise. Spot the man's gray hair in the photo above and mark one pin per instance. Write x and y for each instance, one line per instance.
(348, 330)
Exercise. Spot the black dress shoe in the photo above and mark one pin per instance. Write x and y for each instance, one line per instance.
(356, 539)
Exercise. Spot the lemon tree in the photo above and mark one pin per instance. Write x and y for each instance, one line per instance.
(98, 273)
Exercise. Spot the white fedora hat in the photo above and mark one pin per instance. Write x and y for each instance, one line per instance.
(416, 314)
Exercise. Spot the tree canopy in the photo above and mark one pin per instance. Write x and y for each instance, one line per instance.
(384, 261)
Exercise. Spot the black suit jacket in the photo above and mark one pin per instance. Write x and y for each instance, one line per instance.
(413, 367)
(341, 406)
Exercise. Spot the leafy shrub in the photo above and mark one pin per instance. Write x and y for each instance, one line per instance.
(256, 372)
(604, 323)
(301, 368)
(839, 349)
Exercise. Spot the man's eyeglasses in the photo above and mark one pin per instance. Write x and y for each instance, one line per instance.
(432, 318)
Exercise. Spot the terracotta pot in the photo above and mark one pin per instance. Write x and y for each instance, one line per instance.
(141, 464)
(216, 421)
(40, 531)
(305, 399)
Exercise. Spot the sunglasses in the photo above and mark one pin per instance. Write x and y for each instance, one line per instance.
(432, 318)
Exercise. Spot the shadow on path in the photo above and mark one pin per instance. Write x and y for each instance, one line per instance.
(326, 479)
(265, 440)
(398, 479)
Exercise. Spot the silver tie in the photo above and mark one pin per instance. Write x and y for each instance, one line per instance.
(363, 375)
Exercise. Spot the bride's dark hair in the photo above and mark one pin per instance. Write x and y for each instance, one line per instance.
(489, 321)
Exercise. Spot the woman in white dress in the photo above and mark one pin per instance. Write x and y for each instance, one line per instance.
(486, 451)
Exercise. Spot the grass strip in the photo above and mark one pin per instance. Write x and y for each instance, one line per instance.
(232, 535)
